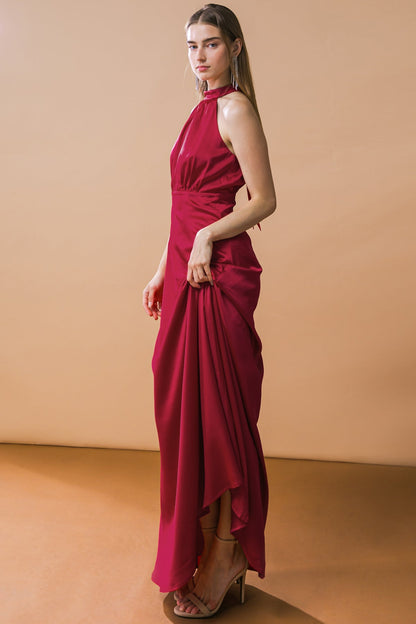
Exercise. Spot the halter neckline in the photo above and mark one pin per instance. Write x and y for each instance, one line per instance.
(218, 91)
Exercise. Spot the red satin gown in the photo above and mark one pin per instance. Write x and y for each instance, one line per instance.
(207, 362)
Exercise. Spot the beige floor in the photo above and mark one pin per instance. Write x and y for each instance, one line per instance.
(79, 527)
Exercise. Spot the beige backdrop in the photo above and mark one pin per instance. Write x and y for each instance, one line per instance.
(93, 97)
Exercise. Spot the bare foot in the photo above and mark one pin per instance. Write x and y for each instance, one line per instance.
(225, 560)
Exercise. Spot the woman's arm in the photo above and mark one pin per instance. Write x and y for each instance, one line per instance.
(162, 264)
(153, 292)
(244, 132)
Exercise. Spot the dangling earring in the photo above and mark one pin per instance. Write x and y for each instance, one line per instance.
(196, 83)
(234, 72)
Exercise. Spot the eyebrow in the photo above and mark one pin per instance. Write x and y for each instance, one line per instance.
(205, 40)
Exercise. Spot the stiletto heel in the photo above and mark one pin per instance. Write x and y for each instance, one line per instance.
(205, 612)
(242, 582)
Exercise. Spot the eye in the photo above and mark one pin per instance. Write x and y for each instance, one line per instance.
(213, 44)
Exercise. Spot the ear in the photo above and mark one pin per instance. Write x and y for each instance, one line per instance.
(236, 47)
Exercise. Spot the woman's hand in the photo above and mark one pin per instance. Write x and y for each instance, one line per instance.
(199, 261)
(152, 296)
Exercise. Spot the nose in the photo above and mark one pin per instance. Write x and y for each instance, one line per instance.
(200, 55)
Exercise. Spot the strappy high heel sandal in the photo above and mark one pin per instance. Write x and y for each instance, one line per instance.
(205, 612)
(190, 585)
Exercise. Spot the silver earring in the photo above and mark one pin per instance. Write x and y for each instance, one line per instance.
(234, 73)
(196, 83)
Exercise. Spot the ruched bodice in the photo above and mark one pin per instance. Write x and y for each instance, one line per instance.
(200, 160)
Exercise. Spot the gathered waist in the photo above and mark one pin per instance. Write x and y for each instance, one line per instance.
(222, 196)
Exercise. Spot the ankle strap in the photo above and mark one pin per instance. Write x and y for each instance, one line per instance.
(223, 539)
(213, 528)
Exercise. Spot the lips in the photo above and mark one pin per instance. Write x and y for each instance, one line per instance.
(202, 67)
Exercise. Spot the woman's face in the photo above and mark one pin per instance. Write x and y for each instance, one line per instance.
(208, 54)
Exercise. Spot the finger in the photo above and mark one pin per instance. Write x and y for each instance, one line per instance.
(208, 274)
(146, 301)
(193, 283)
(202, 277)
(152, 302)
(157, 310)
(196, 276)
(190, 278)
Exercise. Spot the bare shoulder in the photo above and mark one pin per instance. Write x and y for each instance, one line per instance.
(236, 114)
(236, 106)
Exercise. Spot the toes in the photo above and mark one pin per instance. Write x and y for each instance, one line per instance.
(179, 596)
(192, 609)
(185, 605)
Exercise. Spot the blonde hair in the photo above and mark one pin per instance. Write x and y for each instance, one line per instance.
(227, 23)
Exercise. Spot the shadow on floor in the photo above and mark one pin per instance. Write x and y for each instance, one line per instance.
(258, 607)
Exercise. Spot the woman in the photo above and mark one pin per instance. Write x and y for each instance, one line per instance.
(207, 361)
